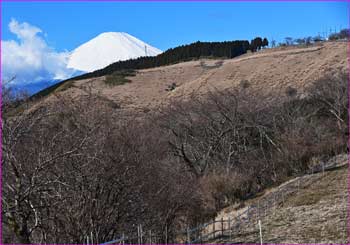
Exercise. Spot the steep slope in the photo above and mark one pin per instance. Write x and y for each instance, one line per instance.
(108, 48)
(314, 210)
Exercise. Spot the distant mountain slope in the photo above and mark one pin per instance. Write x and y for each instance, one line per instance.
(179, 54)
(32, 88)
(107, 48)
(271, 72)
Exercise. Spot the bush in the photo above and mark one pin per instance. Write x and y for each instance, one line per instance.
(171, 87)
(343, 34)
(119, 77)
(225, 188)
(244, 84)
(291, 92)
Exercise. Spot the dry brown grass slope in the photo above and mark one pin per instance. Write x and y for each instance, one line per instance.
(269, 71)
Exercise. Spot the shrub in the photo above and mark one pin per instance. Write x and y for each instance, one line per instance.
(171, 87)
(244, 84)
(119, 77)
(343, 34)
(225, 188)
(291, 92)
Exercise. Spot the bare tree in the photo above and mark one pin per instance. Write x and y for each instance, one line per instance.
(73, 170)
(289, 41)
(332, 93)
(78, 168)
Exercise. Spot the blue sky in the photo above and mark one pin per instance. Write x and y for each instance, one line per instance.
(65, 25)
(168, 24)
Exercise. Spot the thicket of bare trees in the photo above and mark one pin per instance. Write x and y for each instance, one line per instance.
(74, 169)
(238, 143)
(70, 172)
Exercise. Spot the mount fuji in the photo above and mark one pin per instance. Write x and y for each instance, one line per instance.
(107, 48)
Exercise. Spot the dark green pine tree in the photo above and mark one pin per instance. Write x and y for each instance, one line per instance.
(265, 42)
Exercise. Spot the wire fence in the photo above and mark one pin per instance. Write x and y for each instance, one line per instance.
(228, 227)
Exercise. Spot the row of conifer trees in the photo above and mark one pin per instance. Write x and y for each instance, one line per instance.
(227, 49)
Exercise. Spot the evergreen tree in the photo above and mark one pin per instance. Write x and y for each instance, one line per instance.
(256, 44)
(265, 42)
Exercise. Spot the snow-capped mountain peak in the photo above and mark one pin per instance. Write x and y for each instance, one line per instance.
(107, 48)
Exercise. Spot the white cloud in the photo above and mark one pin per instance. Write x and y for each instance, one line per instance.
(23, 30)
(30, 58)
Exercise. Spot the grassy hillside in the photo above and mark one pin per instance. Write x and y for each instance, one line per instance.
(315, 212)
(229, 49)
(216, 133)
(272, 72)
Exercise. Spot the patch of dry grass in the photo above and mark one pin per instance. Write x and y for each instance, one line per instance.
(307, 198)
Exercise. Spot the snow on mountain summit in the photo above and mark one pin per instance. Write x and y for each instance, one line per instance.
(107, 48)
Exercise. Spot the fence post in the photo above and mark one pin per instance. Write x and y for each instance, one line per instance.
(150, 236)
(214, 228)
(322, 168)
(248, 213)
(138, 234)
(188, 235)
(222, 226)
(260, 232)
(346, 231)
(141, 239)
(166, 234)
(229, 227)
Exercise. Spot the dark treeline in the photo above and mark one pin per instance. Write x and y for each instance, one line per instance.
(174, 55)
